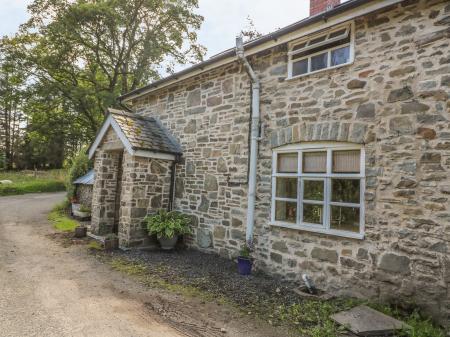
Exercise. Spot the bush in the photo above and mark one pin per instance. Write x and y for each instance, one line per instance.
(168, 224)
(78, 167)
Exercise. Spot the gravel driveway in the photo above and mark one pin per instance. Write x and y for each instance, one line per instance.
(48, 289)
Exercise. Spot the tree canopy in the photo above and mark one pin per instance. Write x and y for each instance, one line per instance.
(78, 56)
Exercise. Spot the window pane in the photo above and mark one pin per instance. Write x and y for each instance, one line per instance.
(317, 40)
(286, 211)
(299, 46)
(313, 214)
(300, 67)
(319, 61)
(340, 56)
(346, 161)
(345, 190)
(287, 188)
(338, 33)
(314, 162)
(345, 218)
(287, 162)
(313, 189)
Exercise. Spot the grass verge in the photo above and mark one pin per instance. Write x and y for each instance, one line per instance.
(305, 317)
(59, 219)
(31, 182)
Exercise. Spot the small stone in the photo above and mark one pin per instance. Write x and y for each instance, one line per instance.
(445, 81)
(366, 110)
(445, 189)
(400, 94)
(222, 166)
(211, 183)
(426, 133)
(190, 168)
(193, 98)
(362, 254)
(406, 183)
(223, 330)
(395, 264)
(356, 84)
(402, 71)
(275, 257)
(204, 204)
(414, 107)
(324, 254)
(280, 246)
(204, 238)
(191, 127)
(402, 125)
(406, 30)
(430, 157)
(219, 232)
(214, 101)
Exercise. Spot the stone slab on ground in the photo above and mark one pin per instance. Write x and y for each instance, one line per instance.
(365, 321)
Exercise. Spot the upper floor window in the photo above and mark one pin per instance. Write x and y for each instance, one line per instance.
(330, 49)
(319, 187)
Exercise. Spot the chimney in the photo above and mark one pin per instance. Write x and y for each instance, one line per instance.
(319, 6)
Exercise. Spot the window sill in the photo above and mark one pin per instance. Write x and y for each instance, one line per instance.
(318, 71)
(319, 230)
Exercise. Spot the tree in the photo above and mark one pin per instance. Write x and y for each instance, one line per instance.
(90, 51)
(12, 118)
(250, 32)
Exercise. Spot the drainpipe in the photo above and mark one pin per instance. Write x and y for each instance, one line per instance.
(254, 138)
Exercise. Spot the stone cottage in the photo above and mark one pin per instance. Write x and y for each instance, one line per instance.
(340, 122)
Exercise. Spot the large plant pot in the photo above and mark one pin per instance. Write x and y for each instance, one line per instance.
(111, 244)
(80, 232)
(244, 265)
(168, 243)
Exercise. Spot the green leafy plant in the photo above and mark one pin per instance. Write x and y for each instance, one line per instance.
(78, 166)
(168, 224)
(85, 209)
(245, 251)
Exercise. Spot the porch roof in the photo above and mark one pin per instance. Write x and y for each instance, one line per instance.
(141, 136)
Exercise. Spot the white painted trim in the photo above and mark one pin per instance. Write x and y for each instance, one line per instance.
(152, 154)
(302, 32)
(326, 177)
(110, 122)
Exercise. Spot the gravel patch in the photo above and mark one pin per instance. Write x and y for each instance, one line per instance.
(216, 275)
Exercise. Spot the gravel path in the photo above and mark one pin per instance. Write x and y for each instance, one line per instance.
(48, 289)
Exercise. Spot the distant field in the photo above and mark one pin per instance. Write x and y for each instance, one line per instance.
(32, 182)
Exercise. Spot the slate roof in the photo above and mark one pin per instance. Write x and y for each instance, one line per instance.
(87, 179)
(145, 133)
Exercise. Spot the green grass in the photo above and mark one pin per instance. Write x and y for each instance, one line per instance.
(31, 182)
(60, 221)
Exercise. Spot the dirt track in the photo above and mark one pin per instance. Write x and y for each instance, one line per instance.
(48, 290)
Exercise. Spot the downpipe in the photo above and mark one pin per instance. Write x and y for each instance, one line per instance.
(254, 138)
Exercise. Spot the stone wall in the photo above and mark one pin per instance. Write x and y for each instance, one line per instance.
(84, 195)
(393, 99)
(106, 166)
(145, 189)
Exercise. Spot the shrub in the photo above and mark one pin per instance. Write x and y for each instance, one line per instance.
(168, 224)
(78, 166)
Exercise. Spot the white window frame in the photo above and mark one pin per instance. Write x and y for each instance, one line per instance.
(349, 26)
(326, 177)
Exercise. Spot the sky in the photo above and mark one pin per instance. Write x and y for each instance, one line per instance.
(223, 18)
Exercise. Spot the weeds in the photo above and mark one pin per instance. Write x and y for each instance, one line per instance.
(59, 220)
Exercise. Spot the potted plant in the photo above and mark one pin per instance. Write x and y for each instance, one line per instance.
(111, 241)
(80, 231)
(244, 260)
(168, 226)
(81, 211)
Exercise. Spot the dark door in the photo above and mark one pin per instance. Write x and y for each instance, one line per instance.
(118, 193)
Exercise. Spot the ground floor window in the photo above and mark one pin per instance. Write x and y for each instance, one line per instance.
(319, 187)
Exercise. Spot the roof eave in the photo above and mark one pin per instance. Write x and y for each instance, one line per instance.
(230, 53)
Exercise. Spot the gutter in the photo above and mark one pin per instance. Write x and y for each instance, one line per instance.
(254, 138)
(228, 55)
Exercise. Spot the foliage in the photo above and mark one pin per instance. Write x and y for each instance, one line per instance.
(245, 251)
(78, 56)
(250, 32)
(61, 221)
(32, 182)
(85, 209)
(168, 224)
(78, 167)
(94, 245)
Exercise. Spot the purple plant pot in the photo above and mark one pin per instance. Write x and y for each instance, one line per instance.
(244, 265)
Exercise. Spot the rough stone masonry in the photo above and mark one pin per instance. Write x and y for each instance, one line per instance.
(394, 99)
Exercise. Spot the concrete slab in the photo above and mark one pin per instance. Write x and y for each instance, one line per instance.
(365, 321)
